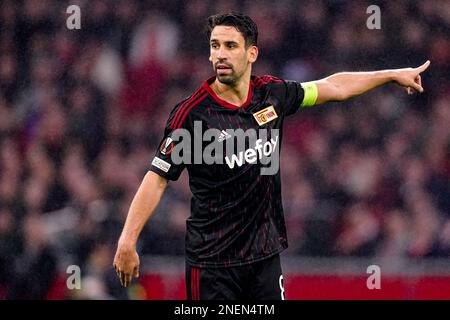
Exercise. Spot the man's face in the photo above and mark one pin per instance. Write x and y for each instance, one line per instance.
(229, 55)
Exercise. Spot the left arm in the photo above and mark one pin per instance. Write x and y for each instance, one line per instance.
(345, 85)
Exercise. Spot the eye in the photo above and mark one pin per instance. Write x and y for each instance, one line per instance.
(214, 45)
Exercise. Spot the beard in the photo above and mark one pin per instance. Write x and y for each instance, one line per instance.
(228, 79)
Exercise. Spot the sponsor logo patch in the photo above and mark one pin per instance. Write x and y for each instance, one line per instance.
(161, 164)
(266, 115)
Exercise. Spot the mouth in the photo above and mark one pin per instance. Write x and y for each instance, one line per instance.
(222, 68)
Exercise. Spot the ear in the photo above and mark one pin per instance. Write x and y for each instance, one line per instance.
(253, 54)
(210, 58)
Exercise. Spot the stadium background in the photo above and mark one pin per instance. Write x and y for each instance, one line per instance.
(365, 182)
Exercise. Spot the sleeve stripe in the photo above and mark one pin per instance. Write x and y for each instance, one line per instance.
(311, 94)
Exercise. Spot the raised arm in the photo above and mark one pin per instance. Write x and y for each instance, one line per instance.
(145, 201)
(344, 85)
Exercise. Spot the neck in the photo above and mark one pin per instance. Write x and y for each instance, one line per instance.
(235, 94)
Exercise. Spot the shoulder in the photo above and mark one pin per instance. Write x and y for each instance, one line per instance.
(181, 111)
(261, 81)
(276, 86)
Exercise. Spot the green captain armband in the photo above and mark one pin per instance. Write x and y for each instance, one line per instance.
(311, 93)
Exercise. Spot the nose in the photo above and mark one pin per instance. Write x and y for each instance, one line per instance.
(221, 55)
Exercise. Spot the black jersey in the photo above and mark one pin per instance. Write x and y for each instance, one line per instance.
(236, 211)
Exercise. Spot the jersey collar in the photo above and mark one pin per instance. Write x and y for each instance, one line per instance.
(223, 102)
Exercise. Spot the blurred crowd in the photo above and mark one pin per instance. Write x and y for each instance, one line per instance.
(82, 112)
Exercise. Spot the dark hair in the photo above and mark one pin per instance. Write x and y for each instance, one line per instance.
(244, 24)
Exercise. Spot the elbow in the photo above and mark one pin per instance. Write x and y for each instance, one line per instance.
(334, 91)
(340, 93)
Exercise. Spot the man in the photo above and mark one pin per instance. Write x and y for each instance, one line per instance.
(236, 230)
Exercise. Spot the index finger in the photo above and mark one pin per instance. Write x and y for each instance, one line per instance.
(126, 279)
(424, 66)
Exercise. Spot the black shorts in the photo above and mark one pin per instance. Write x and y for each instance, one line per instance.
(261, 280)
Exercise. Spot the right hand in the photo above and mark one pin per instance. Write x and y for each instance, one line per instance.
(410, 77)
(126, 263)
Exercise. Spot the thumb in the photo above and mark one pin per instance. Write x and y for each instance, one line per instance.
(417, 87)
(424, 66)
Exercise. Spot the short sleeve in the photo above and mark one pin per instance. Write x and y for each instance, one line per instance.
(163, 162)
(294, 96)
(289, 94)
